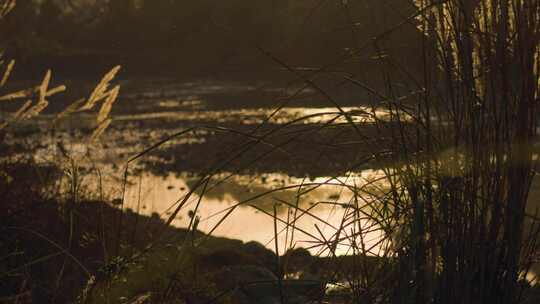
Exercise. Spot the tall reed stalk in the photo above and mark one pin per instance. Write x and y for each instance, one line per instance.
(467, 162)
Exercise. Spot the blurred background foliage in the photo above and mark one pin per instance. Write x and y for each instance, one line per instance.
(207, 36)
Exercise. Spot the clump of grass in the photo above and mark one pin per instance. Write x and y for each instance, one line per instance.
(468, 162)
(460, 167)
(27, 186)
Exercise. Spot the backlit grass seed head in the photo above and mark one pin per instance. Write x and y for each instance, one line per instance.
(100, 92)
(40, 93)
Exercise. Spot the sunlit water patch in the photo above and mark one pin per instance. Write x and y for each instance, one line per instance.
(242, 207)
(360, 114)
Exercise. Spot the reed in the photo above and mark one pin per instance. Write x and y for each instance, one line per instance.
(468, 174)
(459, 172)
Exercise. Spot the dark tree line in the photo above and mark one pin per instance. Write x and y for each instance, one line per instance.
(301, 32)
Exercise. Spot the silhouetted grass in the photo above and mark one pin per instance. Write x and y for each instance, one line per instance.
(445, 221)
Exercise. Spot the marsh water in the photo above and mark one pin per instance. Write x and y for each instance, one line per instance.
(291, 169)
(247, 134)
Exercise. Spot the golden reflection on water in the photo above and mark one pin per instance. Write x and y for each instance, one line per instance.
(360, 114)
(327, 205)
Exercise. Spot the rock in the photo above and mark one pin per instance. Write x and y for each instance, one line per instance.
(265, 256)
(228, 257)
(297, 260)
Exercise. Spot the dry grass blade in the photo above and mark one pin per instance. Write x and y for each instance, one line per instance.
(100, 129)
(17, 115)
(278, 264)
(106, 107)
(6, 6)
(44, 86)
(7, 73)
(298, 229)
(26, 93)
(35, 110)
(100, 91)
(72, 108)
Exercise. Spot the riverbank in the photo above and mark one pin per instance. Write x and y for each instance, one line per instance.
(53, 250)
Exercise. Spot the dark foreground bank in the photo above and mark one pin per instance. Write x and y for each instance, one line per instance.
(66, 250)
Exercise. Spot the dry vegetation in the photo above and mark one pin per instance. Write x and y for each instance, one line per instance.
(456, 149)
